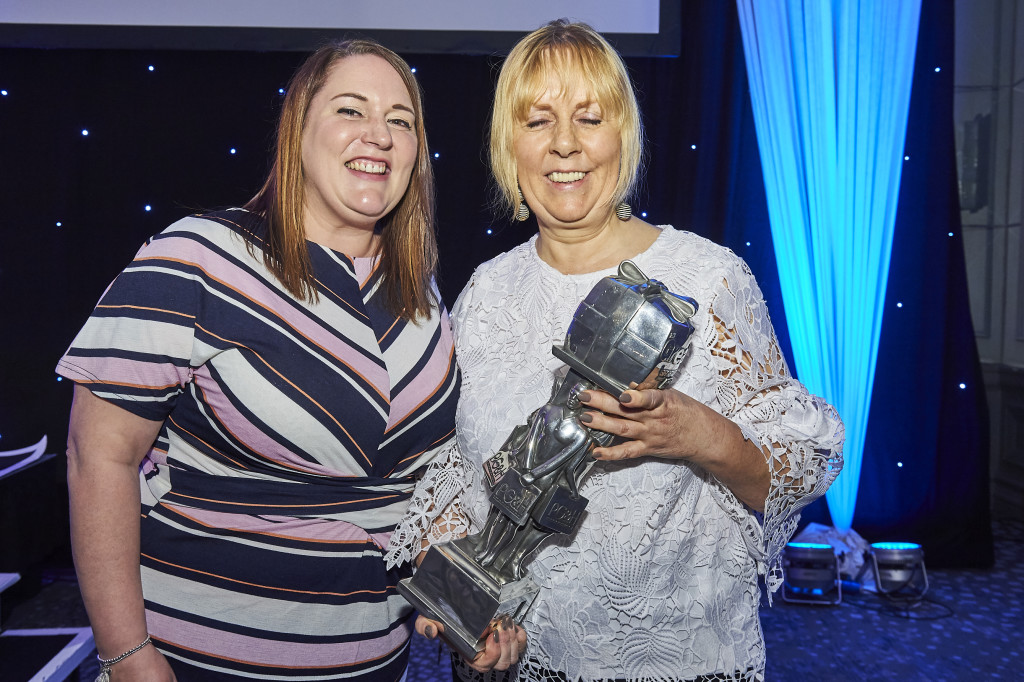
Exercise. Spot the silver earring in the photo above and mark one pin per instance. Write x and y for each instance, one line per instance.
(624, 211)
(523, 212)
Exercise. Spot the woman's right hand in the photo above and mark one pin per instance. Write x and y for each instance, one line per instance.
(145, 665)
(503, 643)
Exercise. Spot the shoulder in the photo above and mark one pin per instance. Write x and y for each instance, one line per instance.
(685, 248)
(497, 276)
(685, 243)
(218, 224)
(227, 232)
(514, 260)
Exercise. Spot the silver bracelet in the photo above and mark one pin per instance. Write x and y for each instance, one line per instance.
(105, 664)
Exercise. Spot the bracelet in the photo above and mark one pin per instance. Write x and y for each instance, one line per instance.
(105, 664)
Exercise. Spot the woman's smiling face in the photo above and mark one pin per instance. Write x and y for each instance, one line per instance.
(358, 146)
(567, 157)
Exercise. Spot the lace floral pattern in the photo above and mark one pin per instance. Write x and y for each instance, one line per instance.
(434, 514)
(660, 581)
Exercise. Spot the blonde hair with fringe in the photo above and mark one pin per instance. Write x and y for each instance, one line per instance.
(581, 58)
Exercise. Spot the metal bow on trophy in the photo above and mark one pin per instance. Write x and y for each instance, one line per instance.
(629, 331)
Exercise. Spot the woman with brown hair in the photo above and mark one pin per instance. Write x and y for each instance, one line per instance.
(257, 394)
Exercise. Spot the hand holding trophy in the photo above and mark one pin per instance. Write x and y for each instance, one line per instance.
(628, 332)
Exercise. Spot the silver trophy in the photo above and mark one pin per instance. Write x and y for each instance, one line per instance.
(629, 332)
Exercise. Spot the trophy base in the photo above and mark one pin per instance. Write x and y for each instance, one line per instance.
(451, 588)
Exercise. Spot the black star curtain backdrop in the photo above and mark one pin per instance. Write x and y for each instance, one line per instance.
(103, 148)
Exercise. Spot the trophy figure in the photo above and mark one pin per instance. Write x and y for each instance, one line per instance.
(628, 332)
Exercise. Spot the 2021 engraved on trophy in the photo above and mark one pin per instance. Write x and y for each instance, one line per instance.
(629, 331)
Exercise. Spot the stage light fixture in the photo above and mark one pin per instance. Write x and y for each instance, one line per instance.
(812, 574)
(899, 568)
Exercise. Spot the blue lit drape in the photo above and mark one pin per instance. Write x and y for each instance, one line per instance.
(830, 86)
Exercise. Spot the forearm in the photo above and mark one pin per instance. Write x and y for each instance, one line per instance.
(105, 507)
(740, 464)
(106, 445)
(671, 425)
(434, 514)
(450, 524)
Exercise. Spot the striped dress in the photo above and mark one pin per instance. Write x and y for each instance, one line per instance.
(293, 434)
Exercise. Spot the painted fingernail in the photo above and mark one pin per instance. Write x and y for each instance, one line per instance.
(430, 632)
(585, 397)
(625, 398)
(586, 418)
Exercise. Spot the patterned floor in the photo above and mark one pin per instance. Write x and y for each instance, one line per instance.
(969, 628)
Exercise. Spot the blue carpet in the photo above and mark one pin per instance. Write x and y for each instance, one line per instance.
(969, 627)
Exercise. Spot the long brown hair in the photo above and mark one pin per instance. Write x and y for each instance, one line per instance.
(407, 246)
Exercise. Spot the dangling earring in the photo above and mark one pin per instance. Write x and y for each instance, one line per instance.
(624, 211)
(523, 212)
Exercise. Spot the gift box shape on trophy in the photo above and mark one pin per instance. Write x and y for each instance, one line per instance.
(629, 331)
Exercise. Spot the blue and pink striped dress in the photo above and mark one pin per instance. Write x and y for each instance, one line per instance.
(292, 436)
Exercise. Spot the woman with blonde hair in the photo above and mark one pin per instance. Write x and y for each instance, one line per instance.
(660, 582)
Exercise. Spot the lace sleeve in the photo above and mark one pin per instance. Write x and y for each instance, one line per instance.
(800, 434)
(434, 513)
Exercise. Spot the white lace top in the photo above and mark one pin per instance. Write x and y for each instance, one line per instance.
(660, 581)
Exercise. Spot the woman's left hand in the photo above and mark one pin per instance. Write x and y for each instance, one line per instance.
(669, 424)
(657, 422)
(503, 643)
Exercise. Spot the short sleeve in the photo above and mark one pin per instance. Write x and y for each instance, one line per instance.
(136, 349)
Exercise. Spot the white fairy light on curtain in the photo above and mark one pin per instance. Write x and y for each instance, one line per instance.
(830, 87)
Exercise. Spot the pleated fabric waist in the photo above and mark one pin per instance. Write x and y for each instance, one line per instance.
(374, 504)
